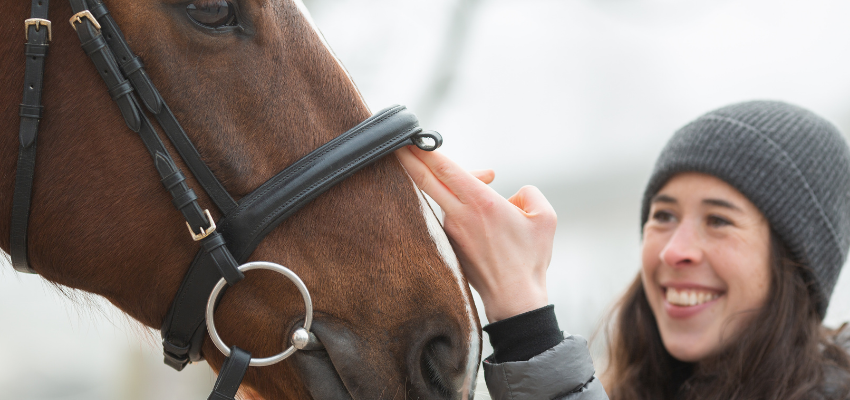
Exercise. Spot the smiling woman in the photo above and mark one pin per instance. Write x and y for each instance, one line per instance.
(746, 225)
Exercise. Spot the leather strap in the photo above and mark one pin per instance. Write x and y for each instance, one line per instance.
(231, 375)
(95, 46)
(131, 65)
(31, 114)
(133, 68)
(284, 194)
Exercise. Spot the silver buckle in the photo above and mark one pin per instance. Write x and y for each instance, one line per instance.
(38, 22)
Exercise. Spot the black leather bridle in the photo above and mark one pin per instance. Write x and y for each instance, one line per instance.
(224, 244)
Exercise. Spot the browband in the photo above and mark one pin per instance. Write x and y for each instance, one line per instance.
(244, 224)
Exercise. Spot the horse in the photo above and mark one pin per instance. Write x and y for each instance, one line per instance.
(392, 309)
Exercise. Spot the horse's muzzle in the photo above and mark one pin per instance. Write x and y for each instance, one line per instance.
(433, 365)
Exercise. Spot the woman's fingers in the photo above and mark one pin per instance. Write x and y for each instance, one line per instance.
(466, 187)
(532, 201)
(425, 179)
(484, 175)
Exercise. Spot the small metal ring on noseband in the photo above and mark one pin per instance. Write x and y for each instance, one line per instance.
(434, 136)
(308, 304)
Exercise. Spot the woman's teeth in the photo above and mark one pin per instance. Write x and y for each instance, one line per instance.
(689, 297)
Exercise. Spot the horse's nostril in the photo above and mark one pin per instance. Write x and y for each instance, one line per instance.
(437, 371)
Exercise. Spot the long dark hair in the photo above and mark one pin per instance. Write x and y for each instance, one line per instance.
(784, 352)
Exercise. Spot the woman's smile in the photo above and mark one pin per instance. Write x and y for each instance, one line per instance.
(686, 301)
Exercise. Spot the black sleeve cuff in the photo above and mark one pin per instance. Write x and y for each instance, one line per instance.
(521, 337)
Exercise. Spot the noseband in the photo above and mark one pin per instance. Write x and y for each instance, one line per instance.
(227, 243)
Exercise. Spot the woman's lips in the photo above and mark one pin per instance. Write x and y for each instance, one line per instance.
(684, 303)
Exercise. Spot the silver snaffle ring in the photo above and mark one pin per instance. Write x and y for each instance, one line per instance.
(308, 304)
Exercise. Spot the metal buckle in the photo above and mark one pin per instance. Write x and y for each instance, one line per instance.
(38, 22)
(204, 233)
(77, 19)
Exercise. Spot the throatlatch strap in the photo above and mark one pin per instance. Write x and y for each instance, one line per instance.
(231, 375)
(38, 35)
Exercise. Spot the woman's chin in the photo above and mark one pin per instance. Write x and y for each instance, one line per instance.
(685, 354)
(688, 347)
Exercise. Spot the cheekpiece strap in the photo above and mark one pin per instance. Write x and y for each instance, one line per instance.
(133, 68)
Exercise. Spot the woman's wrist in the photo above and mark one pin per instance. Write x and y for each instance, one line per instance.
(506, 302)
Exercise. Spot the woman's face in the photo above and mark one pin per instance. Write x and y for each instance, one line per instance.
(706, 263)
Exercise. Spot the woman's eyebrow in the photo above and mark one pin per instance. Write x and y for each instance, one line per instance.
(721, 203)
(663, 198)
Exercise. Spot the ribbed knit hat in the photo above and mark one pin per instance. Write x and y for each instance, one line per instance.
(792, 164)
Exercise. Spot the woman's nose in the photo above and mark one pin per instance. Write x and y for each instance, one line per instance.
(683, 249)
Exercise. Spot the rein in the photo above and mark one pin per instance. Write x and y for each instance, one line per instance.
(227, 243)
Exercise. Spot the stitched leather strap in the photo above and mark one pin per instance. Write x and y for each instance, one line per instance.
(270, 204)
(95, 46)
(31, 113)
(133, 68)
(231, 375)
(130, 65)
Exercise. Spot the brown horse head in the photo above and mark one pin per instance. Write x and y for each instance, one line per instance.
(254, 93)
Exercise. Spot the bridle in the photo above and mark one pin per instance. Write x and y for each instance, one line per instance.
(227, 243)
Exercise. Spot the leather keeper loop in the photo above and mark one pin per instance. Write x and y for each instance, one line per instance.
(212, 242)
(226, 265)
(98, 10)
(120, 90)
(129, 67)
(173, 180)
(31, 111)
(37, 50)
(185, 199)
(174, 349)
(94, 45)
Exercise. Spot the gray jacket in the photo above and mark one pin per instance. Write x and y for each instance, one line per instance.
(564, 372)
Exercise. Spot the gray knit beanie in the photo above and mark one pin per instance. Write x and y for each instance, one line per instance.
(792, 164)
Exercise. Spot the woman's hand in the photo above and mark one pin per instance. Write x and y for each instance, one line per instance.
(504, 246)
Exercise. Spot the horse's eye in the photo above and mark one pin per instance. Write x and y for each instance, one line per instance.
(212, 13)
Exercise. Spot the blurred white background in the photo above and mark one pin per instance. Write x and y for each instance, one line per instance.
(576, 97)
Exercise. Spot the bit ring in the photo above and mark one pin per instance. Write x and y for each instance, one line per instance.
(305, 294)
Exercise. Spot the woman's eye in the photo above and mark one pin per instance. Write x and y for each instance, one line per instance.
(212, 13)
(717, 222)
(662, 216)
